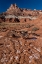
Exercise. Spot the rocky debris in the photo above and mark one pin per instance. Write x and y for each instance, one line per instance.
(13, 34)
(23, 32)
(35, 34)
(14, 52)
(3, 29)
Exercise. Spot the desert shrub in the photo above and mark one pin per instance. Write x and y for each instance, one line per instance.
(32, 25)
(28, 26)
(23, 32)
(35, 34)
(35, 29)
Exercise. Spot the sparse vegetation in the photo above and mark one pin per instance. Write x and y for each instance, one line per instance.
(36, 34)
(23, 32)
(28, 26)
(35, 29)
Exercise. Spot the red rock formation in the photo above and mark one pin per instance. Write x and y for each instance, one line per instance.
(25, 14)
(21, 42)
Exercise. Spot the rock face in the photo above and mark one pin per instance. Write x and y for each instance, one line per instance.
(14, 12)
(14, 9)
(21, 36)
